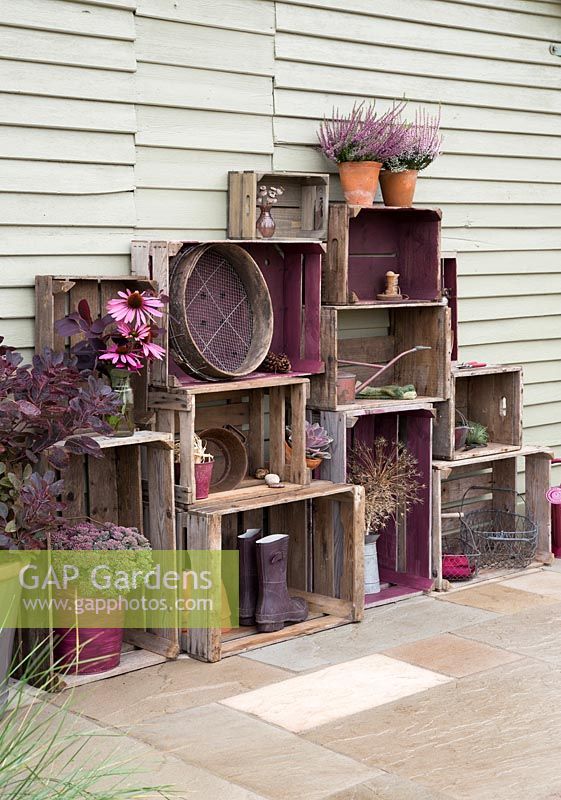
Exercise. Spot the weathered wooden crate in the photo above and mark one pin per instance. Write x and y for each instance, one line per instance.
(301, 211)
(56, 296)
(451, 479)
(261, 407)
(491, 395)
(404, 546)
(110, 489)
(306, 515)
(292, 271)
(377, 335)
(366, 242)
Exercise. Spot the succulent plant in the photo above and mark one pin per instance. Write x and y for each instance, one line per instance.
(318, 440)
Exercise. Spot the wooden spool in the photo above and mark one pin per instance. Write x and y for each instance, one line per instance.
(221, 314)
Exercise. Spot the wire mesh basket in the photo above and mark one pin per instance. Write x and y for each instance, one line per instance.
(504, 538)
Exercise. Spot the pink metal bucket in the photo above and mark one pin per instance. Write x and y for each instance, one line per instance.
(203, 477)
(87, 651)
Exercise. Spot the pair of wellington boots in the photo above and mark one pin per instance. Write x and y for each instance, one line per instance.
(264, 598)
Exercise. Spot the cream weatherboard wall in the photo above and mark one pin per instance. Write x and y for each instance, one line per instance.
(121, 118)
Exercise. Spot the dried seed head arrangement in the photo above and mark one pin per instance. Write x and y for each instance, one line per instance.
(391, 480)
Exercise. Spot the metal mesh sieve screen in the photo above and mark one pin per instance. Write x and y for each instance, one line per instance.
(219, 313)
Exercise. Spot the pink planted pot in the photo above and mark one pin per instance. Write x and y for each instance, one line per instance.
(87, 651)
(203, 478)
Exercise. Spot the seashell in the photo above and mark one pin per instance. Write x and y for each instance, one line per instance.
(272, 480)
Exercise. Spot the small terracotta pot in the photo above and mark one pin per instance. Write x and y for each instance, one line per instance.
(359, 181)
(311, 463)
(346, 384)
(398, 188)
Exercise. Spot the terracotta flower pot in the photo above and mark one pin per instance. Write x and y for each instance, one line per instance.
(311, 463)
(359, 181)
(398, 188)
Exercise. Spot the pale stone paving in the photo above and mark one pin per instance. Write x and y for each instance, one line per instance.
(450, 696)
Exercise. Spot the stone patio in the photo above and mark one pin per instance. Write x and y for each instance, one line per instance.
(447, 696)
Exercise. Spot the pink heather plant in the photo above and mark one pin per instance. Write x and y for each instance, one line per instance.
(422, 144)
(362, 135)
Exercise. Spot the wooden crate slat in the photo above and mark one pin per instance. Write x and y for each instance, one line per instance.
(102, 488)
(128, 473)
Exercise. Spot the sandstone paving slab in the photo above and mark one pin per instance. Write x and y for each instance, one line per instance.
(91, 745)
(307, 701)
(253, 754)
(388, 787)
(491, 736)
(382, 628)
(543, 583)
(556, 565)
(169, 687)
(535, 633)
(503, 598)
(452, 655)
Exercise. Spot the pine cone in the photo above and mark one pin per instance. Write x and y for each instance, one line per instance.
(276, 362)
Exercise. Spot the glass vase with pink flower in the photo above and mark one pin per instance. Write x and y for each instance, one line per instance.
(119, 344)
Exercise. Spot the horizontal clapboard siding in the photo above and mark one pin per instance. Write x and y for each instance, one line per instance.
(67, 149)
(499, 182)
(205, 105)
(123, 117)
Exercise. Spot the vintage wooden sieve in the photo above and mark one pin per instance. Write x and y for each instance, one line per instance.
(221, 315)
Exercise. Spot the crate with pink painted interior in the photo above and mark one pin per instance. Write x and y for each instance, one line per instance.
(404, 545)
(364, 243)
(292, 273)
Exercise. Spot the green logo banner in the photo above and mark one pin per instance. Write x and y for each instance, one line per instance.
(119, 589)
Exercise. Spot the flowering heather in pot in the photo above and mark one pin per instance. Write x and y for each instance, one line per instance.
(124, 338)
(422, 143)
(361, 135)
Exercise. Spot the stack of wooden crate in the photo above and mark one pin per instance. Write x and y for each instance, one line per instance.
(358, 326)
(261, 405)
(325, 270)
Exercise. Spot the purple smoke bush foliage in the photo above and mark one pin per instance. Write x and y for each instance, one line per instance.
(41, 405)
(422, 143)
(362, 135)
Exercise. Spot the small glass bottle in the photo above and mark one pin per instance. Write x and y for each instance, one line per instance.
(122, 423)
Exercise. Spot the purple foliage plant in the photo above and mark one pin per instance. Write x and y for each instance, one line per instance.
(41, 405)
